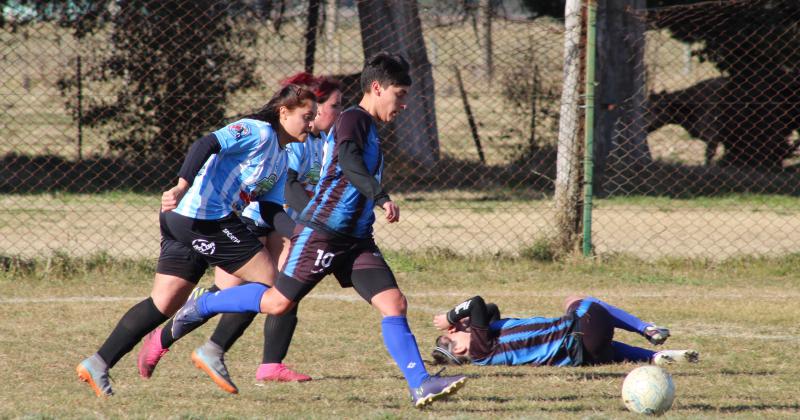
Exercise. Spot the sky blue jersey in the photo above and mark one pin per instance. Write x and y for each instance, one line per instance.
(306, 159)
(251, 164)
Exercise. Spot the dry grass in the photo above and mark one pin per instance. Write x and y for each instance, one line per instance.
(737, 314)
(126, 225)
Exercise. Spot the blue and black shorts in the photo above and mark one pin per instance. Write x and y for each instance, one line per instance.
(314, 254)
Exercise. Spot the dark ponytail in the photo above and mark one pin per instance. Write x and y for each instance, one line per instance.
(291, 96)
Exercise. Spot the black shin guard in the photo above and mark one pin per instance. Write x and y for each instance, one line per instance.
(230, 328)
(135, 324)
(166, 333)
(278, 332)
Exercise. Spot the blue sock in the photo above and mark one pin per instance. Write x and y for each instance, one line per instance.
(402, 346)
(626, 353)
(244, 298)
(622, 319)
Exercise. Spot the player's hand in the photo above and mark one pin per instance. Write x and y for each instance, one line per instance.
(441, 323)
(171, 197)
(392, 211)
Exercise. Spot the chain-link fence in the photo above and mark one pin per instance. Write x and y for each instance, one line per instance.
(711, 119)
(99, 101)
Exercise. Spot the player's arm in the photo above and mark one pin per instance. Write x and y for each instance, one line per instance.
(351, 160)
(296, 196)
(474, 308)
(275, 216)
(198, 154)
(352, 131)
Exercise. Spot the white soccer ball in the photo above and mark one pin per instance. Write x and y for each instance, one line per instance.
(648, 390)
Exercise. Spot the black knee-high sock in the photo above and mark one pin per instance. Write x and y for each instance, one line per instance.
(278, 332)
(230, 328)
(166, 333)
(135, 324)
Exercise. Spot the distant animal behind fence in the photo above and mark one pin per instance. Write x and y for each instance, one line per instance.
(754, 127)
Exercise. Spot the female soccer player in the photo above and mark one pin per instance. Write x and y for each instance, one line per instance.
(583, 336)
(334, 234)
(304, 164)
(198, 226)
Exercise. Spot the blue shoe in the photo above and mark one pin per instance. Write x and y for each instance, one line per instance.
(435, 388)
(188, 316)
(94, 371)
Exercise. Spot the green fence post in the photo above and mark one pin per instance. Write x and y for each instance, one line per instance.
(588, 155)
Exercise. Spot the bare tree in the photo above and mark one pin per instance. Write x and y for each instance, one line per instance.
(485, 17)
(395, 26)
(568, 164)
(621, 91)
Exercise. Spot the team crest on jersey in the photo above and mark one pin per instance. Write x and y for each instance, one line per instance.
(239, 130)
(203, 246)
(313, 173)
(263, 185)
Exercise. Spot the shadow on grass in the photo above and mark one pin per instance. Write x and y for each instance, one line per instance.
(741, 408)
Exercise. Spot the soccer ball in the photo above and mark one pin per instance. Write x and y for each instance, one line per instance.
(648, 390)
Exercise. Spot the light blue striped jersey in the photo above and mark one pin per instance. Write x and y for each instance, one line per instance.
(306, 159)
(250, 164)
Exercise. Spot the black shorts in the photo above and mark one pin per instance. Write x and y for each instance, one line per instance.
(313, 254)
(252, 226)
(596, 328)
(189, 246)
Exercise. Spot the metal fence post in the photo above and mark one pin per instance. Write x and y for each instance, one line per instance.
(588, 129)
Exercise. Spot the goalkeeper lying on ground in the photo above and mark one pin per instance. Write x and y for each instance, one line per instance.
(476, 334)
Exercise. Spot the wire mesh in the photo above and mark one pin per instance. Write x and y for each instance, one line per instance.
(100, 100)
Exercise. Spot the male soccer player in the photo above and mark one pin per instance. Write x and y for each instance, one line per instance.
(334, 234)
(583, 336)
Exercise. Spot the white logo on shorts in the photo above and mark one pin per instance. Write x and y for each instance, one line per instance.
(411, 365)
(203, 246)
(230, 235)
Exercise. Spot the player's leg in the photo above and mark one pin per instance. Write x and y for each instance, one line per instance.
(374, 281)
(278, 329)
(156, 344)
(210, 356)
(302, 261)
(178, 270)
(168, 292)
(627, 353)
(629, 322)
(229, 255)
(596, 326)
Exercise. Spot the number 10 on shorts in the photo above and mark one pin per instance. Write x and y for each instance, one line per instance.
(324, 259)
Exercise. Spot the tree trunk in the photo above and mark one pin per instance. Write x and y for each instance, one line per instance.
(311, 34)
(568, 163)
(394, 26)
(331, 18)
(620, 136)
(485, 17)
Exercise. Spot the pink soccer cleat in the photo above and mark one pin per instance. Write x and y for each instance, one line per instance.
(278, 372)
(150, 353)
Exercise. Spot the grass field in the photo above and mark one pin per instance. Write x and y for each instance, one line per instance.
(740, 314)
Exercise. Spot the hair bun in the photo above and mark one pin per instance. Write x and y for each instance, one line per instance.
(302, 78)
